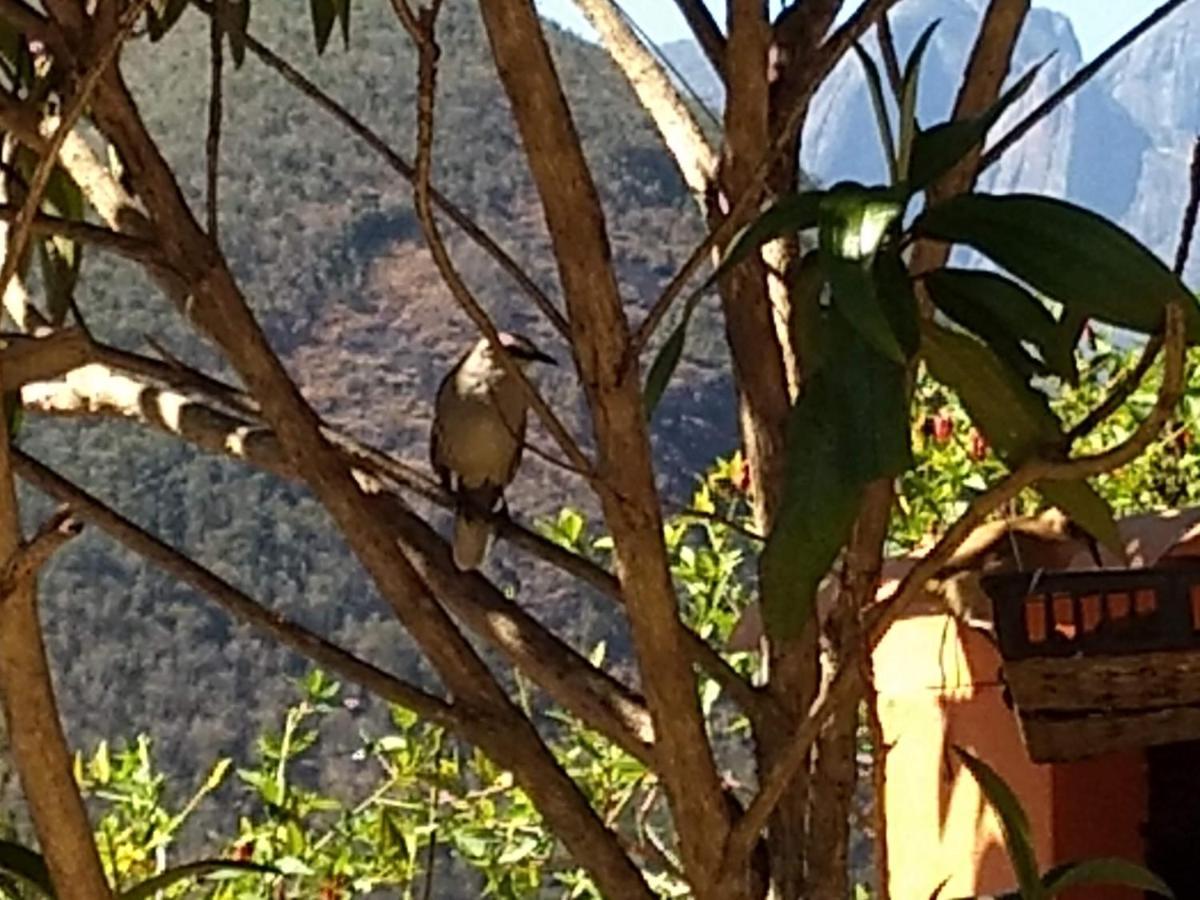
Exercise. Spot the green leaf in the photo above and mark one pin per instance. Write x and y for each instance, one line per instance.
(1016, 419)
(1004, 314)
(1068, 253)
(937, 150)
(854, 220)
(788, 214)
(14, 413)
(26, 866)
(850, 427)
(161, 17)
(908, 99)
(1105, 870)
(898, 300)
(808, 284)
(667, 361)
(879, 105)
(324, 14)
(234, 16)
(1013, 822)
(344, 18)
(198, 869)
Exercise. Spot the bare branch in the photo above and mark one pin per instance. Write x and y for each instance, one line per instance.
(406, 171)
(706, 31)
(31, 557)
(35, 734)
(628, 494)
(236, 603)
(128, 246)
(1074, 83)
(18, 237)
(679, 129)
(25, 360)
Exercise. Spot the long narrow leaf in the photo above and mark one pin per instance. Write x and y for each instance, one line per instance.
(1018, 838)
(1004, 314)
(198, 869)
(908, 99)
(1106, 870)
(1016, 419)
(939, 149)
(666, 362)
(849, 428)
(1070, 254)
(26, 866)
(324, 13)
(879, 104)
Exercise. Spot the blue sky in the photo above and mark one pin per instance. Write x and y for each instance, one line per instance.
(1097, 22)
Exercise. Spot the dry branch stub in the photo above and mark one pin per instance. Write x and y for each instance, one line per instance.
(1100, 661)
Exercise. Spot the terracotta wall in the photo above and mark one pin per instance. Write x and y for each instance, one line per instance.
(939, 686)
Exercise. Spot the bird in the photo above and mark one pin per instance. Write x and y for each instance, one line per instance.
(478, 436)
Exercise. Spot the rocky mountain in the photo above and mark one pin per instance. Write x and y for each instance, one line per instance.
(1121, 145)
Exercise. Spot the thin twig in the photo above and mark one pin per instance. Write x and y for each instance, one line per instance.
(474, 231)
(846, 685)
(238, 604)
(32, 556)
(212, 142)
(1074, 83)
(18, 237)
(126, 245)
(706, 31)
(831, 51)
(427, 86)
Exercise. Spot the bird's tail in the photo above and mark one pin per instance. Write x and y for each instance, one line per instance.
(472, 531)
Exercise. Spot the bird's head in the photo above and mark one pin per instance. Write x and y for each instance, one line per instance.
(520, 348)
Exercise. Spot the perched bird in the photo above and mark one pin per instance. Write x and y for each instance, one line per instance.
(477, 438)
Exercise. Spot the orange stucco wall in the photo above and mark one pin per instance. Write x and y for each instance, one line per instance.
(939, 686)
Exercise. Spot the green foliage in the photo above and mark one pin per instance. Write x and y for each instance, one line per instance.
(851, 425)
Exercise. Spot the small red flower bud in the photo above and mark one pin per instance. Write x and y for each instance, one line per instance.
(943, 427)
(979, 446)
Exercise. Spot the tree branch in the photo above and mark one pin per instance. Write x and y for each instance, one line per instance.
(212, 142)
(36, 739)
(233, 601)
(706, 31)
(427, 80)
(405, 170)
(18, 237)
(25, 360)
(679, 129)
(1074, 83)
(600, 337)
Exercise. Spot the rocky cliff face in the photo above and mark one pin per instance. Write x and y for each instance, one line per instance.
(1121, 146)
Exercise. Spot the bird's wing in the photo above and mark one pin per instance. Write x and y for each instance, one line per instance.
(515, 462)
(436, 458)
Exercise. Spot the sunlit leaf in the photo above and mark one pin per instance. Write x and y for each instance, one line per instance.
(937, 150)
(1014, 823)
(853, 223)
(1004, 314)
(1068, 253)
(188, 871)
(1106, 870)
